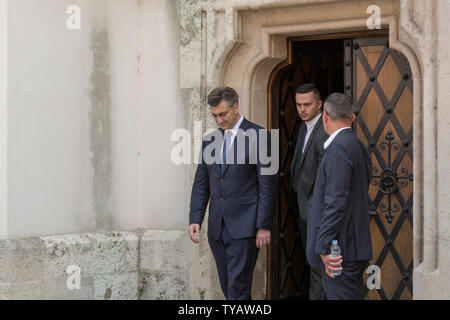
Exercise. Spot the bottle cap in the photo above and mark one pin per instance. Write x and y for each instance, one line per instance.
(334, 242)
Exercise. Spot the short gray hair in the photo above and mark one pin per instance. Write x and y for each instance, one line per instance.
(228, 94)
(339, 106)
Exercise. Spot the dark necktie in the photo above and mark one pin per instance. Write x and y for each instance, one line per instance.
(302, 136)
(305, 132)
(224, 154)
(298, 156)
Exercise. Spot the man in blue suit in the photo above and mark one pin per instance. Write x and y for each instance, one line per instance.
(338, 208)
(241, 194)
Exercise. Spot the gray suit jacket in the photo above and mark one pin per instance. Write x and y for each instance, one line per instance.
(304, 166)
(339, 206)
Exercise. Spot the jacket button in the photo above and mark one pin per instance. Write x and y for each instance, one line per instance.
(221, 199)
(221, 180)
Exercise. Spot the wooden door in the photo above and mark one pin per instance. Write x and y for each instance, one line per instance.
(378, 79)
(312, 61)
(382, 91)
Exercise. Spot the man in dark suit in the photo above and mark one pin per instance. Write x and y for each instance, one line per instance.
(241, 195)
(308, 153)
(338, 208)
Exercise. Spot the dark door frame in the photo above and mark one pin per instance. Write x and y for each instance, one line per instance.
(270, 288)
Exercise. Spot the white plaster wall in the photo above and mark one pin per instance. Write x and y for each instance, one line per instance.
(148, 190)
(3, 118)
(123, 41)
(161, 185)
(51, 186)
(48, 80)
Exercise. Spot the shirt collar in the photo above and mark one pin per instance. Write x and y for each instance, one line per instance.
(331, 138)
(237, 125)
(311, 123)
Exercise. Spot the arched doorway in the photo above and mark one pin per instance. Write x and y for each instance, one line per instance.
(378, 79)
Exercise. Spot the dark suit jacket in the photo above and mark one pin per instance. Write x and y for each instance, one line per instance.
(304, 166)
(242, 196)
(338, 208)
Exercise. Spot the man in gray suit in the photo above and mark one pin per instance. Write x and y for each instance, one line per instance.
(308, 153)
(339, 206)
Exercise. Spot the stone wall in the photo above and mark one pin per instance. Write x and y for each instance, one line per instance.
(113, 265)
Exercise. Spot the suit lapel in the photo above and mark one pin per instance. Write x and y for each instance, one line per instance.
(311, 138)
(298, 149)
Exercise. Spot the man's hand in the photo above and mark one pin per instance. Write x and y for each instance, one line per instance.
(331, 264)
(194, 232)
(262, 238)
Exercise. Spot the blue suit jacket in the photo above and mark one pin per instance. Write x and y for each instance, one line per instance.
(241, 195)
(339, 206)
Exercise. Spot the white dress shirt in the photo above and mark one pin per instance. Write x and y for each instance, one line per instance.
(331, 138)
(233, 134)
(310, 125)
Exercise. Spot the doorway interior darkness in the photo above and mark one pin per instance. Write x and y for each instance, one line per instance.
(319, 62)
(378, 79)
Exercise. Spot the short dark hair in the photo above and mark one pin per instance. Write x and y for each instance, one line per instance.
(309, 87)
(228, 94)
(339, 106)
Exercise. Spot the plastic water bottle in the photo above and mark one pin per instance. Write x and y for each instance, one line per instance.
(335, 252)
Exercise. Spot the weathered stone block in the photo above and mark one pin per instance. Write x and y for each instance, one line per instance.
(94, 253)
(21, 260)
(124, 286)
(60, 290)
(37, 268)
(164, 251)
(164, 286)
(53, 289)
(4, 291)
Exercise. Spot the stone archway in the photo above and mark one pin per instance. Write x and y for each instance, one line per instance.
(241, 43)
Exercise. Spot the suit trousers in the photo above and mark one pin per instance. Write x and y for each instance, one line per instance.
(235, 261)
(316, 291)
(348, 285)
